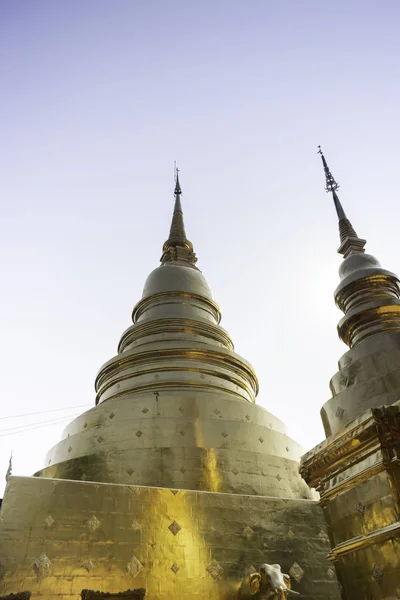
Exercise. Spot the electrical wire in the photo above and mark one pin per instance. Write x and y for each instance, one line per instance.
(37, 423)
(45, 411)
(7, 432)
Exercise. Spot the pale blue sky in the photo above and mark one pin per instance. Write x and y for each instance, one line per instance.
(99, 97)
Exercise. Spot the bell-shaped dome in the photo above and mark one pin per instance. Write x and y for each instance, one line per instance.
(176, 405)
(179, 276)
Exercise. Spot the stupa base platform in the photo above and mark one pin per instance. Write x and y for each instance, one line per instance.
(60, 537)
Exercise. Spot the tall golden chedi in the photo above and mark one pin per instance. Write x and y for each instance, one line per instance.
(176, 482)
(357, 468)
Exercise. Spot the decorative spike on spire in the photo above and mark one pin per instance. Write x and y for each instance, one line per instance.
(9, 470)
(178, 190)
(177, 246)
(350, 243)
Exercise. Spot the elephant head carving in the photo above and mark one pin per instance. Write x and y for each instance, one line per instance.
(271, 583)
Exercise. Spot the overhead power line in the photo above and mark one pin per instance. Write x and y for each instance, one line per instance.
(32, 426)
(38, 423)
(45, 411)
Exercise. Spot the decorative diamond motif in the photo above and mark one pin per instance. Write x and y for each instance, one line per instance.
(135, 526)
(377, 574)
(331, 573)
(182, 470)
(360, 508)
(235, 471)
(100, 439)
(248, 532)
(217, 412)
(49, 521)
(278, 477)
(215, 570)
(130, 471)
(224, 434)
(134, 566)
(83, 477)
(88, 565)
(339, 412)
(69, 449)
(175, 568)
(250, 570)
(248, 417)
(174, 492)
(93, 523)
(296, 572)
(42, 566)
(290, 534)
(182, 432)
(139, 433)
(323, 536)
(261, 439)
(84, 425)
(181, 409)
(111, 415)
(213, 530)
(145, 410)
(174, 528)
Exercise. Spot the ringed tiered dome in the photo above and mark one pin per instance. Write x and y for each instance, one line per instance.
(176, 406)
(369, 297)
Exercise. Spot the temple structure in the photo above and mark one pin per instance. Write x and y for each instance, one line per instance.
(356, 469)
(176, 483)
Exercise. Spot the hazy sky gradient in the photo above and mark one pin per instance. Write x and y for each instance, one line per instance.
(99, 97)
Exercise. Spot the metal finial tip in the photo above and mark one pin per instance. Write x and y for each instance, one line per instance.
(331, 184)
(178, 189)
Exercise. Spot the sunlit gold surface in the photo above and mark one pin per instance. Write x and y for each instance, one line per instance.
(177, 544)
(175, 441)
(357, 474)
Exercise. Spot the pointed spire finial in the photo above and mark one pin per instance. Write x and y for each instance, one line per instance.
(350, 243)
(331, 184)
(178, 190)
(9, 470)
(177, 246)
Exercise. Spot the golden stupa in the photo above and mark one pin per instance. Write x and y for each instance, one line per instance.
(356, 469)
(176, 484)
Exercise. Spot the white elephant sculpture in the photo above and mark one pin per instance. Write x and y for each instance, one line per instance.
(270, 583)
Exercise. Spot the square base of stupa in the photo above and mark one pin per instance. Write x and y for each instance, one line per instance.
(60, 537)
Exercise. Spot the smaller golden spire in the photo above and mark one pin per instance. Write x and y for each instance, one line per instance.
(9, 470)
(177, 246)
(350, 243)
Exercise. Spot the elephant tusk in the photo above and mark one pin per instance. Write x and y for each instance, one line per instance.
(292, 593)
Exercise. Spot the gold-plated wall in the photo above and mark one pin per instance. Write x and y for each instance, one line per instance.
(59, 537)
(357, 473)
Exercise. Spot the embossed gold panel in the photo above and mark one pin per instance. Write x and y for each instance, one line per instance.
(60, 537)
